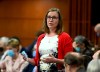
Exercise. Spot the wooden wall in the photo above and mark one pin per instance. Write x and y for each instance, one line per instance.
(80, 19)
(23, 18)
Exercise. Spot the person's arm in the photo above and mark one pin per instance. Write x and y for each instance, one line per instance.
(23, 66)
(31, 60)
(8, 64)
(60, 61)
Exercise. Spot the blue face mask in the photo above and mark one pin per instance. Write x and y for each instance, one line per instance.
(10, 53)
(77, 49)
(98, 34)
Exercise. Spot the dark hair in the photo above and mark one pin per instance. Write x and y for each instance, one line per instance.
(72, 59)
(82, 40)
(59, 27)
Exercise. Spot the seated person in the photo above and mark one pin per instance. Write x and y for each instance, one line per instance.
(3, 43)
(13, 61)
(94, 66)
(74, 62)
(83, 46)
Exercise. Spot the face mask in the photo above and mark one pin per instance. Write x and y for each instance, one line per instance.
(98, 34)
(10, 53)
(77, 49)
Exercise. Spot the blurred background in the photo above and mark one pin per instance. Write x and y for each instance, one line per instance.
(23, 18)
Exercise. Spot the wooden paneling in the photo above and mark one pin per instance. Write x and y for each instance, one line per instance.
(23, 18)
(80, 19)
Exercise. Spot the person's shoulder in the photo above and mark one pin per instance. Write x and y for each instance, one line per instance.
(41, 36)
(64, 34)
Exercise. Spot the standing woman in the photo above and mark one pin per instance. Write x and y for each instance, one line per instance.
(52, 45)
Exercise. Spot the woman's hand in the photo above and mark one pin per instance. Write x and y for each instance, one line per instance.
(49, 59)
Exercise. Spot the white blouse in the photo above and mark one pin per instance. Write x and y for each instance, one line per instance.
(48, 45)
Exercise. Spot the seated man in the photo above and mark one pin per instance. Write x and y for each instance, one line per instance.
(74, 62)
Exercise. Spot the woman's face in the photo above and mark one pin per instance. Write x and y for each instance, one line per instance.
(52, 20)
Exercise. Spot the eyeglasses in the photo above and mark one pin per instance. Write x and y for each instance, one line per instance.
(53, 17)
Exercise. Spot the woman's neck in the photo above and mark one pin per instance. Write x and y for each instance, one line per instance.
(51, 34)
(52, 29)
